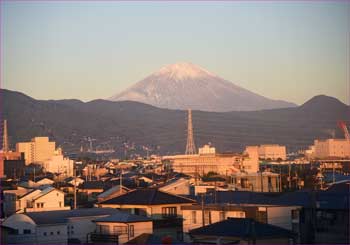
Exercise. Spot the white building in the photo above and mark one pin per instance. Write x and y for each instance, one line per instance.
(207, 149)
(273, 152)
(38, 150)
(60, 165)
(223, 164)
(257, 182)
(329, 148)
(38, 200)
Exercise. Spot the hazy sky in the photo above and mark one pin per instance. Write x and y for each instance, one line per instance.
(89, 50)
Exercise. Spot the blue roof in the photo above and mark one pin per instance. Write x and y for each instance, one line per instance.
(123, 217)
(244, 228)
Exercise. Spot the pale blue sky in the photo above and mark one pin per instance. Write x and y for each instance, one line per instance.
(89, 50)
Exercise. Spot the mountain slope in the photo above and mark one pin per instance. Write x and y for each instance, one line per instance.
(115, 124)
(184, 85)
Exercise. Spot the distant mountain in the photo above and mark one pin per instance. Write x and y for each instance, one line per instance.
(132, 126)
(185, 85)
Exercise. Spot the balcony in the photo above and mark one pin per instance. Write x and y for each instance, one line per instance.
(103, 237)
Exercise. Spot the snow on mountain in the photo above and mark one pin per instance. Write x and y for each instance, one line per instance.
(185, 85)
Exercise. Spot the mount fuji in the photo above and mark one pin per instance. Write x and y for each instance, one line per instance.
(185, 85)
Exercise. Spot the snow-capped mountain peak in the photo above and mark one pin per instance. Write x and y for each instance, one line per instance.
(183, 70)
(184, 85)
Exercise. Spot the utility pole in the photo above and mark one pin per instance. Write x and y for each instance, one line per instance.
(75, 185)
(280, 184)
(121, 181)
(289, 177)
(203, 223)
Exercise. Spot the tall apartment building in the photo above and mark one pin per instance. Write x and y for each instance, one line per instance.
(39, 150)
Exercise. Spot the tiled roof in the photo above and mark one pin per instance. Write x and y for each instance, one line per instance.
(243, 228)
(147, 197)
(321, 199)
(92, 185)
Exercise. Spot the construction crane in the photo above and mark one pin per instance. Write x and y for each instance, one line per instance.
(342, 125)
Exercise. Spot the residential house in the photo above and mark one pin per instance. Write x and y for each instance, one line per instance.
(112, 192)
(177, 186)
(120, 228)
(74, 181)
(196, 216)
(11, 197)
(91, 189)
(164, 208)
(36, 200)
(55, 227)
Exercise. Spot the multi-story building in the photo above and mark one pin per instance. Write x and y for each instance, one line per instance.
(59, 164)
(272, 152)
(329, 148)
(210, 161)
(39, 150)
(257, 182)
(11, 164)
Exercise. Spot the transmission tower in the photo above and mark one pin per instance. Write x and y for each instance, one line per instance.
(190, 147)
(5, 143)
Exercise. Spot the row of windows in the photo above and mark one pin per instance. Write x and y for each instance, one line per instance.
(222, 216)
(51, 233)
(118, 230)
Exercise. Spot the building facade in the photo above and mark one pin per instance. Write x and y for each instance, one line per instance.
(272, 152)
(11, 164)
(223, 164)
(329, 148)
(257, 182)
(39, 150)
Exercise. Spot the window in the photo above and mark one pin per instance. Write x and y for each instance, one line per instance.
(131, 231)
(169, 212)
(45, 234)
(58, 232)
(207, 217)
(51, 233)
(295, 214)
(222, 216)
(60, 204)
(194, 217)
(104, 229)
(27, 231)
(118, 230)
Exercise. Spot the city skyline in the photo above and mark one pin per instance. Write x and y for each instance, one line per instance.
(285, 50)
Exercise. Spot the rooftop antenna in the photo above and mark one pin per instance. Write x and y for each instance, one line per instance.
(190, 147)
